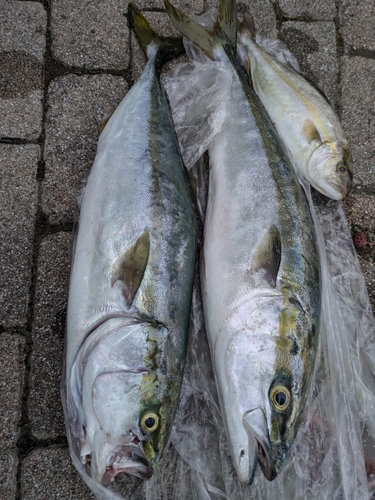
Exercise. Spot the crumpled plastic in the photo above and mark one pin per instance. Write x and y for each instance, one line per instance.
(333, 456)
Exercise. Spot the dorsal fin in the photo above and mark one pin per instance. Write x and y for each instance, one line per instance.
(266, 256)
(129, 269)
(310, 131)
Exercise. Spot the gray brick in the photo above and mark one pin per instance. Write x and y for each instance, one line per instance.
(8, 472)
(360, 209)
(48, 474)
(51, 294)
(12, 358)
(90, 34)
(314, 45)
(76, 104)
(358, 115)
(368, 269)
(322, 10)
(22, 41)
(357, 19)
(193, 7)
(18, 199)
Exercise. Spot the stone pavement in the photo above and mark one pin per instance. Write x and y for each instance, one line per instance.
(64, 64)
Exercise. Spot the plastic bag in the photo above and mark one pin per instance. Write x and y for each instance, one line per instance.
(333, 456)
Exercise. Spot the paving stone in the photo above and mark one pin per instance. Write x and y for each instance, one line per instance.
(18, 199)
(48, 474)
(12, 358)
(77, 104)
(51, 295)
(322, 10)
(91, 33)
(8, 472)
(360, 210)
(193, 7)
(358, 115)
(22, 41)
(357, 19)
(368, 269)
(314, 45)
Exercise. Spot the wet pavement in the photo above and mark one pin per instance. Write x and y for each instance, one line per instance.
(64, 65)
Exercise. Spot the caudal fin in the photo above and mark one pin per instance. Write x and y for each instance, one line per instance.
(167, 47)
(222, 34)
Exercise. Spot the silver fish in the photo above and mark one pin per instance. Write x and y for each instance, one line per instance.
(131, 282)
(260, 271)
(305, 121)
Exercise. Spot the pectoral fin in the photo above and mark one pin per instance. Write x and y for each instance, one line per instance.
(266, 256)
(130, 267)
(311, 132)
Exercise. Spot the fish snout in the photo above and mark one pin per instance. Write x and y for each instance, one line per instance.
(256, 426)
(245, 461)
(108, 461)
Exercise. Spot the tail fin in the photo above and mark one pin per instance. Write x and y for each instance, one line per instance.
(167, 47)
(223, 33)
(247, 26)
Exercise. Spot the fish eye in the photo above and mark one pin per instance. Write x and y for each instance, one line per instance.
(280, 397)
(150, 422)
(341, 169)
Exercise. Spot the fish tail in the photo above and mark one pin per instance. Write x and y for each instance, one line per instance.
(224, 31)
(247, 26)
(167, 47)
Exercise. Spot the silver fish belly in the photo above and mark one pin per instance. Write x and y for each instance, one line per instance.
(130, 289)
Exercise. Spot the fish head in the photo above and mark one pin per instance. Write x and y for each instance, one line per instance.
(329, 172)
(265, 395)
(127, 393)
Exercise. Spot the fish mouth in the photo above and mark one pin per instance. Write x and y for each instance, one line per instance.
(341, 186)
(256, 427)
(128, 458)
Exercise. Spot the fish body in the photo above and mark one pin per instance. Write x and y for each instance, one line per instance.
(259, 272)
(131, 283)
(305, 121)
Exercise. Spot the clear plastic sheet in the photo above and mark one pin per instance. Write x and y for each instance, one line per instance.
(333, 456)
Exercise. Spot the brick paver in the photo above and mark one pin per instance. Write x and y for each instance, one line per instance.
(18, 205)
(12, 362)
(22, 42)
(64, 65)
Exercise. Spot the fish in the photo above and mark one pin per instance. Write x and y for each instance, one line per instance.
(131, 282)
(305, 121)
(260, 273)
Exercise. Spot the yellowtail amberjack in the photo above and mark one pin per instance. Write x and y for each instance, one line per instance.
(260, 270)
(131, 282)
(303, 118)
